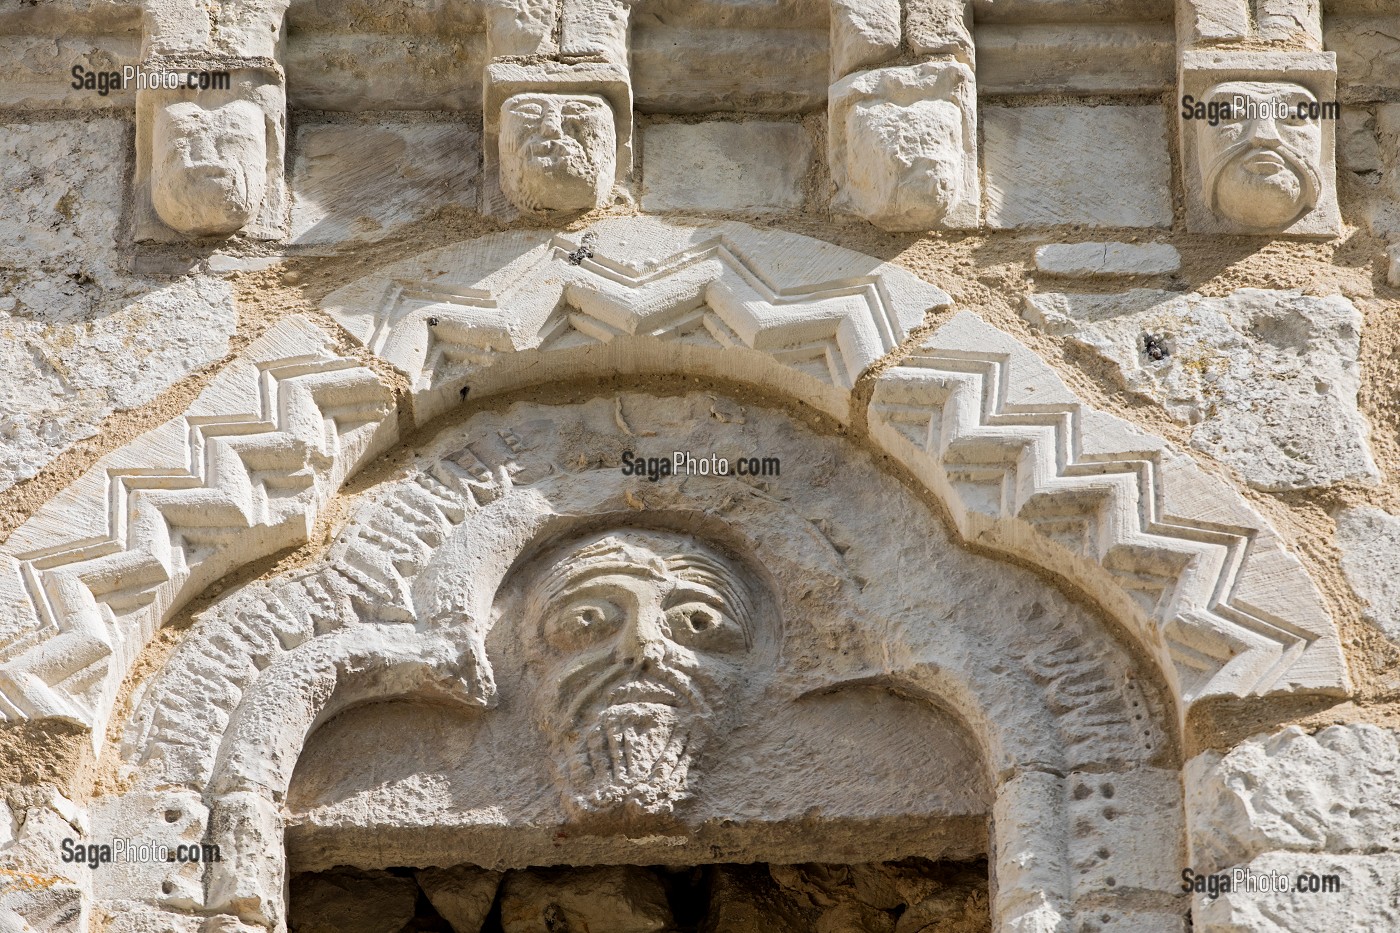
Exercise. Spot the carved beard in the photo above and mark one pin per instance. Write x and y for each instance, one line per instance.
(634, 737)
(1284, 195)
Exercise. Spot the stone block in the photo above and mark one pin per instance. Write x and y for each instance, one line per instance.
(1265, 174)
(64, 181)
(77, 351)
(358, 182)
(1102, 166)
(1126, 831)
(350, 901)
(1392, 255)
(461, 895)
(1366, 895)
(1370, 543)
(863, 33)
(170, 818)
(1368, 53)
(719, 166)
(621, 899)
(1086, 58)
(379, 72)
(1268, 378)
(1088, 260)
(1329, 792)
(1207, 21)
(685, 69)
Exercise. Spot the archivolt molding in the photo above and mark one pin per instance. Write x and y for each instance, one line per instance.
(89, 579)
(636, 295)
(1026, 468)
(1023, 466)
(401, 605)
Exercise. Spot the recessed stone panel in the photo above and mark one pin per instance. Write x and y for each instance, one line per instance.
(725, 166)
(1102, 166)
(357, 182)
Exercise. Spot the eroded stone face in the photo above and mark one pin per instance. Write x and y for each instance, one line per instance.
(1262, 165)
(905, 162)
(647, 633)
(558, 152)
(903, 145)
(209, 166)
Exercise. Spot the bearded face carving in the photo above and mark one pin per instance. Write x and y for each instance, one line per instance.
(558, 152)
(648, 634)
(1261, 167)
(209, 166)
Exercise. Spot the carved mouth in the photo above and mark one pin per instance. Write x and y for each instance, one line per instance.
(1264, 162)
(643, 691)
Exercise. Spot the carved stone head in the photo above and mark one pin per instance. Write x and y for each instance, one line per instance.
(208, 165)
(904, 146)
(1261, 166)
(647, 635)
(558, 152)
(904, 161)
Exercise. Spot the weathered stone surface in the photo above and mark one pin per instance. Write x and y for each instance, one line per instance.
(64, 183)
(751, 902)
(1096, 57)
(1038, 174)
(1087, 260)
(1269, 378)
(1370, 543)
(1368, 53)
(685, 69)
(1365, 899)
(350, 901)
(462, 895)
(863, 33)
(356, 182)
(717, 166)
(1205, 21)
(1324, 793)
(621, 899)
(902, 146)
(73, 352)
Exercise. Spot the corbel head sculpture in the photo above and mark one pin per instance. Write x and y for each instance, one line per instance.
(904, 145)
(1261, 165)
(646, 637)
(557, 152)
(209, 164)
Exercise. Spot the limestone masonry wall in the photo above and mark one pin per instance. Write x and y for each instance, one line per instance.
(1074, 326)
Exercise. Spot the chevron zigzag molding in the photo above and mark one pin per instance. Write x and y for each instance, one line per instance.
(243, 473)
(1027, 469)
(726, 300)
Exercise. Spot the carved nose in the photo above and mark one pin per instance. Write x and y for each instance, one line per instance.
(644, 643)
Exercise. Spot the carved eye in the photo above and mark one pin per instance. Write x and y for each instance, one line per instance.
(704, 627)
(581, 623)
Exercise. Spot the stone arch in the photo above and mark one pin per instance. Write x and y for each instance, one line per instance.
(343, 632)
(1200, 583)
